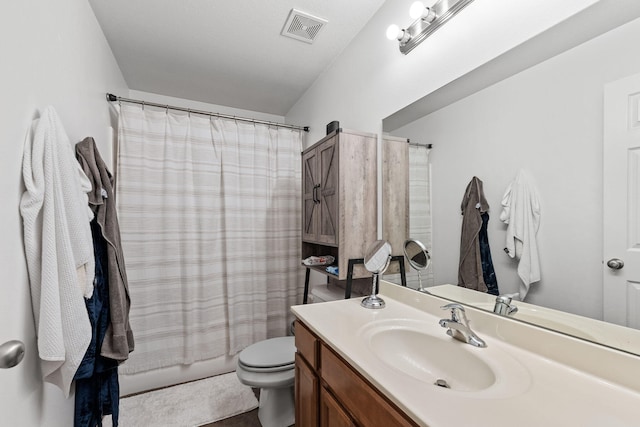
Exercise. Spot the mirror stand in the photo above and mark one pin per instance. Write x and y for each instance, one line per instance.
(419, 258)
(420, 288)
(373, 300)
(376, 261)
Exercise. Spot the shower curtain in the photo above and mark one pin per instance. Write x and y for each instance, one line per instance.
(420, 224)
(210, 221)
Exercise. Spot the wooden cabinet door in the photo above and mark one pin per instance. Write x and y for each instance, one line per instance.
(365, 403)
(310, 196)
(331, 413)
(306, 394)
(328, 192)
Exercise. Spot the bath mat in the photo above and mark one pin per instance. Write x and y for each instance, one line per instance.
(187, 405)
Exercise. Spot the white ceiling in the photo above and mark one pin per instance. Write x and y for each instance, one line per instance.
(226, 52)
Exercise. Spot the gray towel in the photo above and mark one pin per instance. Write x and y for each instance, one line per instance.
(473, 206)
(118, 342)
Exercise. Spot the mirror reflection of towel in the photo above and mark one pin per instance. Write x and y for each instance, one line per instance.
(521, 213)
(473, 205)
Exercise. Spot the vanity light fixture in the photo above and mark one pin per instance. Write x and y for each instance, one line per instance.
(426, 21)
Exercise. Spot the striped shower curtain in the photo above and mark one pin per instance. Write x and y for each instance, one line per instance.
(420, 224)
(209, 214)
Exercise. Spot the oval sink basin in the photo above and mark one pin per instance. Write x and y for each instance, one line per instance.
(428, 358)
(424, 353)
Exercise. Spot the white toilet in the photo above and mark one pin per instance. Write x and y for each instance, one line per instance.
(270, 366)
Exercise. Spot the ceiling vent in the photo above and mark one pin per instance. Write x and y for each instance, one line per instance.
(302, 26)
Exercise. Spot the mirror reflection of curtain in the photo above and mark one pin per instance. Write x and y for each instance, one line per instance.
(210, 221)
(420, 224)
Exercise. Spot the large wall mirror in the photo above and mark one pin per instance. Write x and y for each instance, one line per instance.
(539, 108)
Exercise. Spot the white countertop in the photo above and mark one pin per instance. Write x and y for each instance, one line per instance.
(543, 378)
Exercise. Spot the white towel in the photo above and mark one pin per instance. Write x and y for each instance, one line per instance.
(58, 248)
(521, 211)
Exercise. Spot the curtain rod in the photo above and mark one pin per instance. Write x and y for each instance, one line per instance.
(112, 98)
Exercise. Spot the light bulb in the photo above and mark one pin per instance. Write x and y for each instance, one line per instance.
(419, 11)
(393, 32)
(416, 10)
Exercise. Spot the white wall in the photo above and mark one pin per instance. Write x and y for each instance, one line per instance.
(549, 121)
(372, 79)
(203, 106)
(52, 53)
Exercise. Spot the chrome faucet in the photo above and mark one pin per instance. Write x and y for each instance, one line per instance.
(458, 326)
(503, 305)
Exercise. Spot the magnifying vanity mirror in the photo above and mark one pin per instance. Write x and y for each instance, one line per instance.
(376, 261)
(418, 258)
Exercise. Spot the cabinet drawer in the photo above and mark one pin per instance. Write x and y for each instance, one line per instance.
(367, 406)
(307, 344)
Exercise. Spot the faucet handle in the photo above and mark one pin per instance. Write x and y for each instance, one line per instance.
(506, 299)
(503, 305)
(453, 307)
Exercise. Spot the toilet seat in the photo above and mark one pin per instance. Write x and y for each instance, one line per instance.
(266, 379)
(272, 355)
(267, 370)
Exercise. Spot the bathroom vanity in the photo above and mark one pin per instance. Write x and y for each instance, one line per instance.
(396, 366)
(321, 394)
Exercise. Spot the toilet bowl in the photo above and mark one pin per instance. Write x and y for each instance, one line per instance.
(270, 366)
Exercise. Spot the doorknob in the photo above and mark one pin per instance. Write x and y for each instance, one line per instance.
(11, 353)
(615, 264)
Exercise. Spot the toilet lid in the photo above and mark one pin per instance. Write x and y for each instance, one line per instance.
(269, 353)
